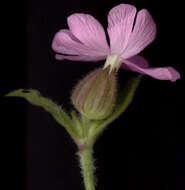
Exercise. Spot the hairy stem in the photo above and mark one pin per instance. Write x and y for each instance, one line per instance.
(86, 163)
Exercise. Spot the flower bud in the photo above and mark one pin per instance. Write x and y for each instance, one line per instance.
(95, 95)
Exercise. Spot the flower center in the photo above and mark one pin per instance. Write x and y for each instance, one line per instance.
(113, 61)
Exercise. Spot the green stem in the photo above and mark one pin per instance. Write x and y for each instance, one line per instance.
(86, 163)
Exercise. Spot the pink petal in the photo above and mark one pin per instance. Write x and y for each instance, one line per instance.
(144, 33)
(65, 42)
(161, 73)
(79, 58)
(138, 60)
(120, 23)
(89, 31)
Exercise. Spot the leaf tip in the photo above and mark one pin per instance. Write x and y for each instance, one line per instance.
(14, 93)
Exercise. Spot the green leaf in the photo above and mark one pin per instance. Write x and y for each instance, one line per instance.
(35, 98)
(124, 99)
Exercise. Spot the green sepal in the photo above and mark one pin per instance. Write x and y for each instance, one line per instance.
(125, 97)
(77, 123)
(35, 98)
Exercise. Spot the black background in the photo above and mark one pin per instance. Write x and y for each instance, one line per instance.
(143, 149)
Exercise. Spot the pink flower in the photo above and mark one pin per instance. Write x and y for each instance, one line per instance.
(86, 41)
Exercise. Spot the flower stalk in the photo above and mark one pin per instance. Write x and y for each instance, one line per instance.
(87, 167)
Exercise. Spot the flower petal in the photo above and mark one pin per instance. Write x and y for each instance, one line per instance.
(65, 42)
(89, 31)
(138, 60)
(79, 57)
(120, 24)
(144, 33)
(161, 73)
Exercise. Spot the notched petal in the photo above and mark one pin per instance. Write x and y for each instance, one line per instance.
(120, 24)
(143, 34)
